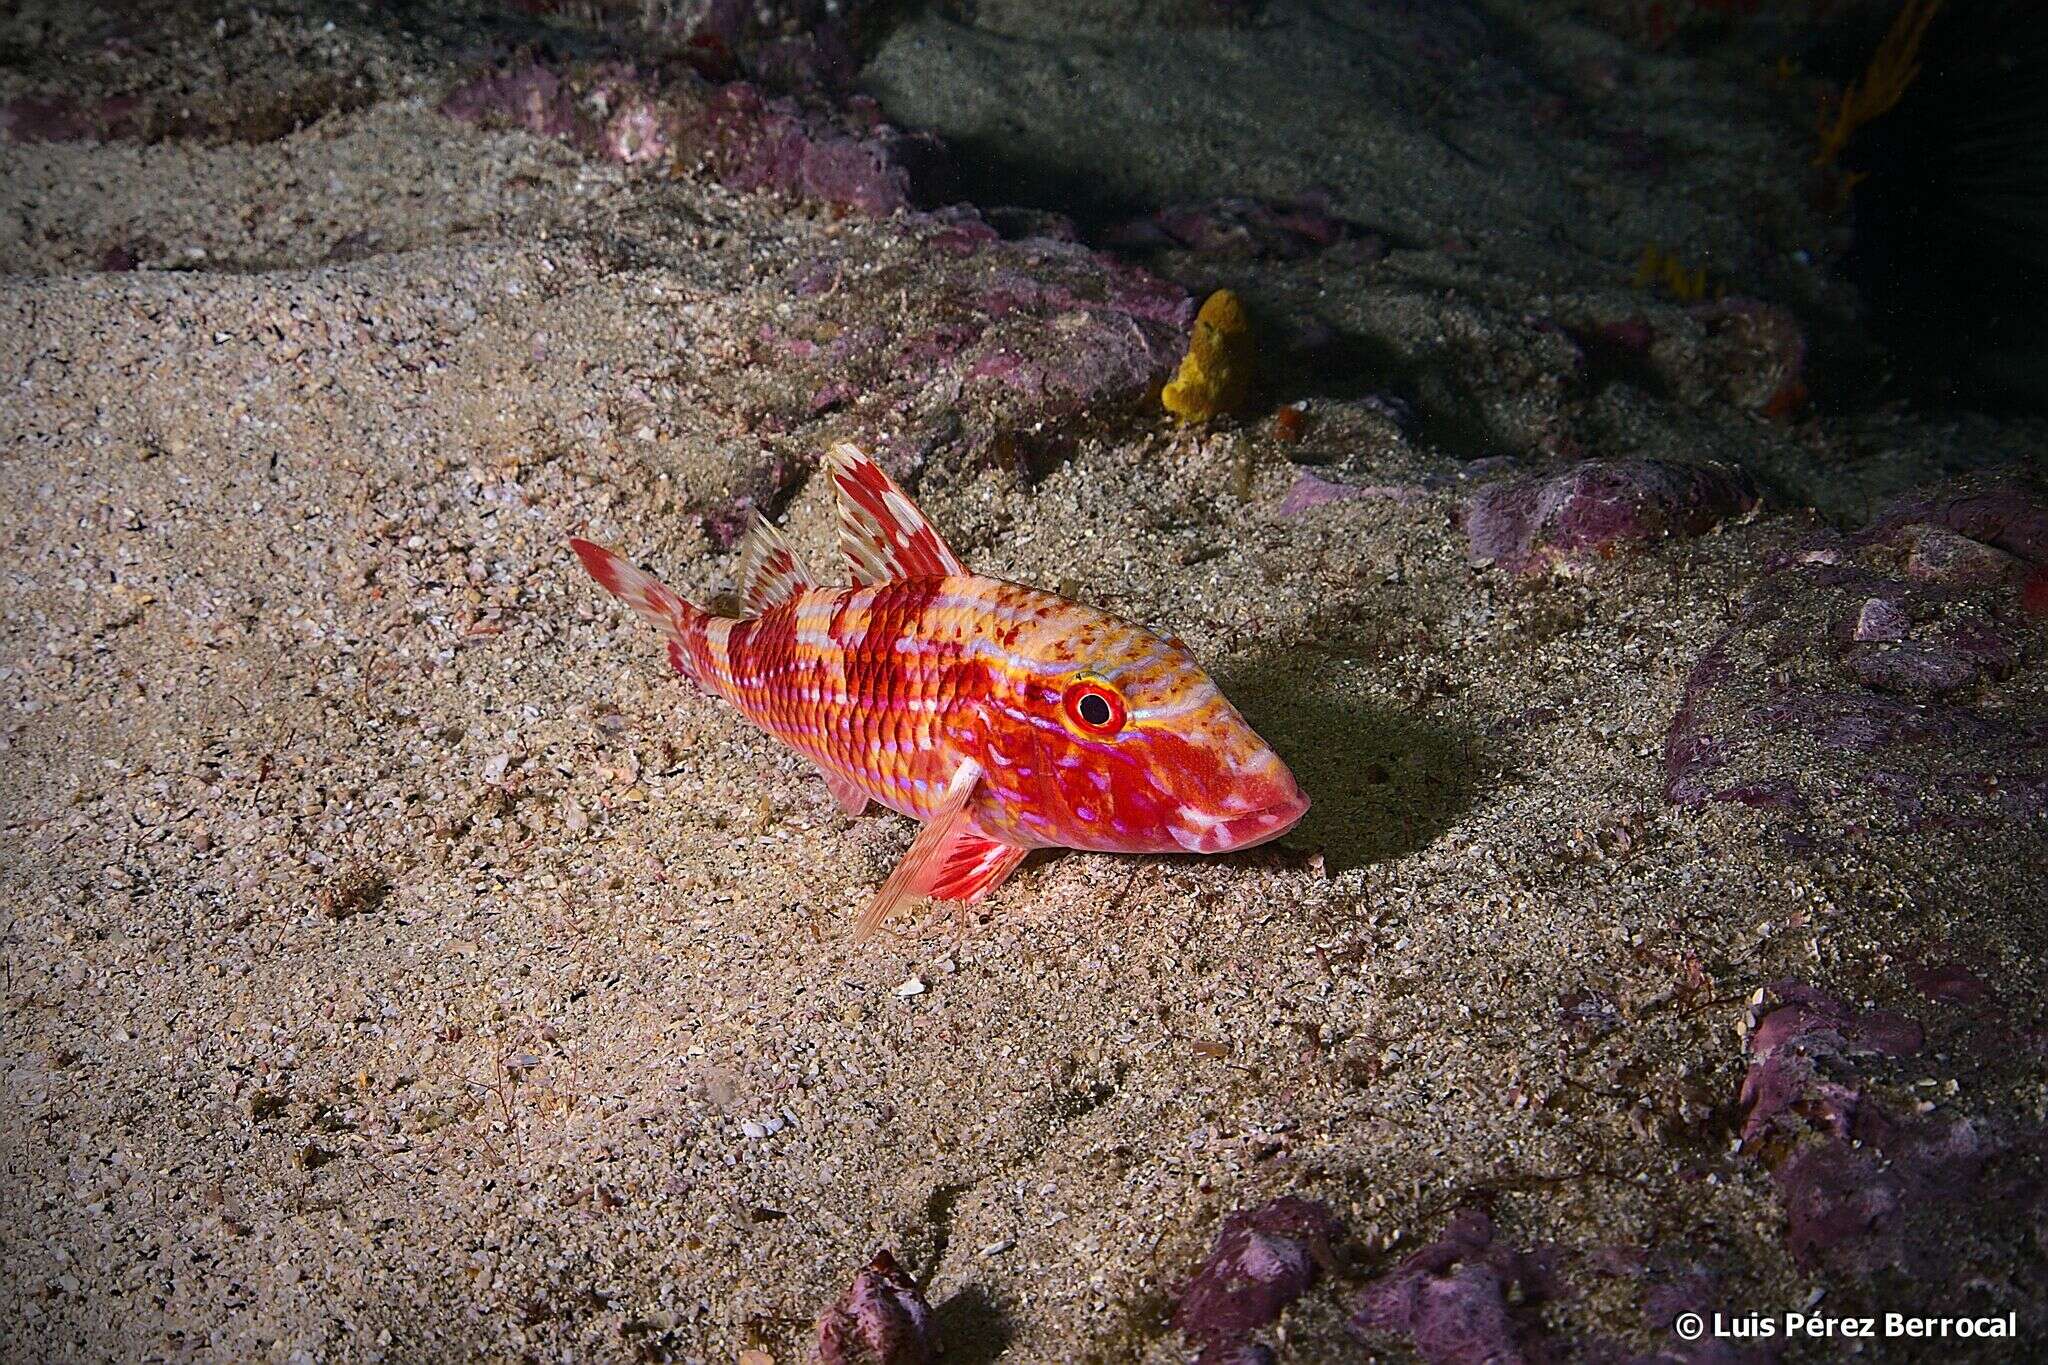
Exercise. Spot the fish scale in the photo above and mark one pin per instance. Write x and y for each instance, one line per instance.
(1003, 717)
(871, 709)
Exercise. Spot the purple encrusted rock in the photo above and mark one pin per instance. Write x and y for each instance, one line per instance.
(640, 133)
(1464, 1299)
(1776, 793)
(1242, 227)
(993, 353)
(1876, 1032)
(1692, 752)
(1951, 983)
(1264, 1260)
(528, 95)
(47, 118)
(1991, 646)
(65, 118)
(1881, 618)
(2006, 512)
(1309, 491)
(1789, 1044)
(1237, 1353)
(1851, 680)
(1018, 224)
(746, 137)
(1912, 670)
(1936, 1198)
(881, 1319)
(1881, 1202)
(1939, 555)
(755, 142)
(1696, 1291)
(1524, 524)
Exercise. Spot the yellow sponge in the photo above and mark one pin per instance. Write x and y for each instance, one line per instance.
(1216, 374)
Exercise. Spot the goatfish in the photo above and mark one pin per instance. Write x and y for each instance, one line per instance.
(1002, 717)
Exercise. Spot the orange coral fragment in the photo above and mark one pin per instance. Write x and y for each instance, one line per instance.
(1892, 68)
(1215, 376)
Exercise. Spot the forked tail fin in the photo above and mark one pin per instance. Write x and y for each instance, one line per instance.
(680, 623)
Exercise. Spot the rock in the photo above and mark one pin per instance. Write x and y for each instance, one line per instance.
(1754, 355)
(1264, 1259)
(1852, 681)
(881, 1319)
(1525, 524)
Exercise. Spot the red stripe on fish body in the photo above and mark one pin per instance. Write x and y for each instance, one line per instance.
(877, 684)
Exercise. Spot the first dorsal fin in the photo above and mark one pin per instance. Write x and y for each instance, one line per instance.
(769, 571)
(881, 532)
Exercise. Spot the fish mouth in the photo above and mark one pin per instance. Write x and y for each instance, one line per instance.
(1244, 831)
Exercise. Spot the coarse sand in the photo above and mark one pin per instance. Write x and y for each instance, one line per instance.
(400, 963)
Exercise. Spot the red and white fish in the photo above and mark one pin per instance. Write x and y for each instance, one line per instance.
(1003, 717)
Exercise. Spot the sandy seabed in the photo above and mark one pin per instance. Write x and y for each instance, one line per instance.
(401, 964)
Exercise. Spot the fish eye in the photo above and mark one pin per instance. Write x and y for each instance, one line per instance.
(1094, 707)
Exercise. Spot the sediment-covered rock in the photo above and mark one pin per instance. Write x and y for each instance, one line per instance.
(1891, 677)
(1595, 508)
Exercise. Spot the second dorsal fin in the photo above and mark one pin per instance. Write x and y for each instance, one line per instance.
(769, 571)
(881, 532)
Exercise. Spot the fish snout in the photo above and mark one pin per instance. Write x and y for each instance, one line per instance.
(1279, 809)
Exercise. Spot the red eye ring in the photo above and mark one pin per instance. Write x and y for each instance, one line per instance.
(1094, 707)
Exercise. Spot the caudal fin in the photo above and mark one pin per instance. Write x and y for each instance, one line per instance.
(678, 621)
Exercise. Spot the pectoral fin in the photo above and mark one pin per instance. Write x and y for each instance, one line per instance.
(951, 859)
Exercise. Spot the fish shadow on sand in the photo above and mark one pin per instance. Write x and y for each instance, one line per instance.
(1381, 782)
(973, 1329)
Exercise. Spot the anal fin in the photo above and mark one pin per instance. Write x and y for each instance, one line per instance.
(951, 859)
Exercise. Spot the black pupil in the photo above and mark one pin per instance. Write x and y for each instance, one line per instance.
(1093, 708)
